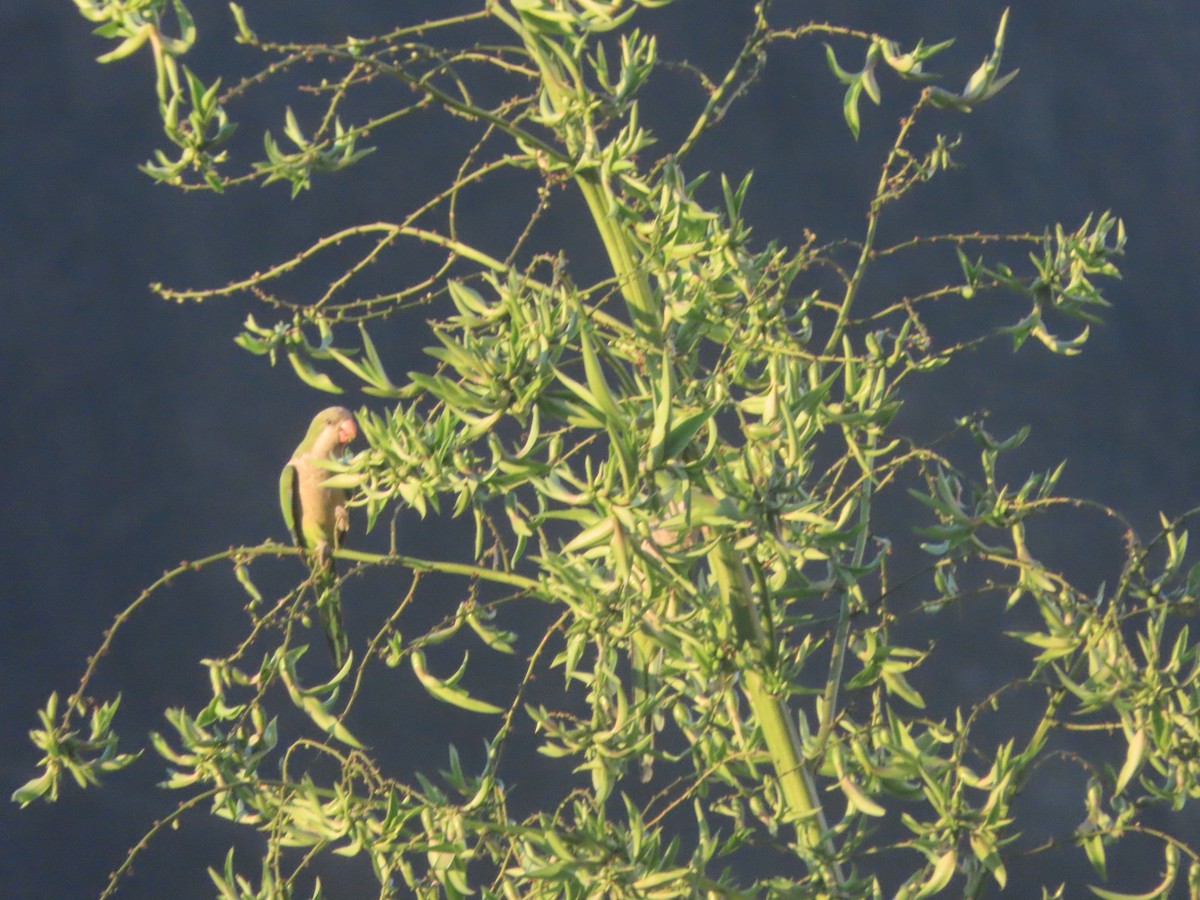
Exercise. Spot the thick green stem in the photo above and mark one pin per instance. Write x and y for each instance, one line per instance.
(772, 713)
(841, 637)
(582, 148)
(635, 287)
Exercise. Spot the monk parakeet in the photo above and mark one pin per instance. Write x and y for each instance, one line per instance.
(316, 515)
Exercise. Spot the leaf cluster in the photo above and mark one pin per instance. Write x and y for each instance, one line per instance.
(682, 465)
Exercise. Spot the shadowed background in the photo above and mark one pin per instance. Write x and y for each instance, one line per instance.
(139, 435)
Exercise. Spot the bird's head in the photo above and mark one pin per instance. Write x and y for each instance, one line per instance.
(332, 430)
(347, 428)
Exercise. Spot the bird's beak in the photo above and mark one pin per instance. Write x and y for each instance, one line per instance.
(347, 431)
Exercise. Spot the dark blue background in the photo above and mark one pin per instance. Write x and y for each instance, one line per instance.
(139, 435)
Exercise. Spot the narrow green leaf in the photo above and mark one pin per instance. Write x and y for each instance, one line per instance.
(597, 383)
(870, 85)
(1093, 848)
(34, 788)
(501, 641)
(984, 848)
(242, 571)
(1135, 758)
(440, 690)
(841, 74)
(311, 705)
(662, 414)
(353, 366)
(127, 47)
(850, 106)
(942, 872)
(591, 536)
(383, 385)
(311, 376)
(245, 35)
(291, 127)
(1161, 890)
(858, 799)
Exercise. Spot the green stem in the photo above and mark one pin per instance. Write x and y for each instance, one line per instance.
(582, 147)
(736, 80)
(436, 565)
(860, 268)
(883, 193)
(772, 713)
(635, 287)
(841, 636)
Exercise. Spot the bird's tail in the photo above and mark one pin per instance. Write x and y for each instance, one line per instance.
(329, 609)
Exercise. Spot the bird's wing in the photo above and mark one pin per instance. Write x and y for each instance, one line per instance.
(289, 502)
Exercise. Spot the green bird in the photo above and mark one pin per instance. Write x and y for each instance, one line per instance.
(317, 516)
